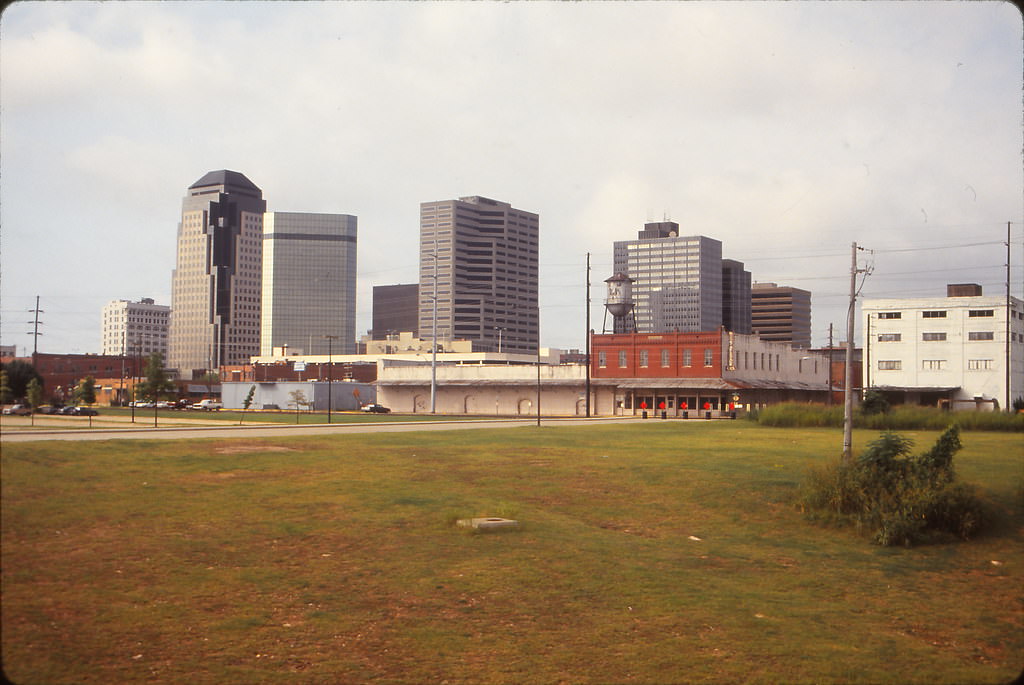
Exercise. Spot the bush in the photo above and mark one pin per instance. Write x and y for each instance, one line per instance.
(874, 403)
(901, 417)
(898, 498)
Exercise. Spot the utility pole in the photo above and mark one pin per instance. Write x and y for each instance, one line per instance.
(848, 371)
(433, 343)
(587, 355)
(848, 390)
(830, 353)
(1008, 407)
(35, 331)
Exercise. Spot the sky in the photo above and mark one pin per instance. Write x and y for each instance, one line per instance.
(786, 130)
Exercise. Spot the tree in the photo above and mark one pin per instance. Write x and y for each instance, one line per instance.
(85, 393)
(34, 391)
(299, 400)
(19, 374)
(5, 389)
(157, 383)
(210, 379)
(246, 403)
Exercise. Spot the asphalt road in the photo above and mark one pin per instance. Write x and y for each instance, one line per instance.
(10, 433)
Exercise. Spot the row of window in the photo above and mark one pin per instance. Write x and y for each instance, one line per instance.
(936, 364)
(602, 358)
(936, 336)
(938, 314)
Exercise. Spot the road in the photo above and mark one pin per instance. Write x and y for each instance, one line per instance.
(10, 433)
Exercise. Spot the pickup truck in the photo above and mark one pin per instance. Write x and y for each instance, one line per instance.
(208, 405)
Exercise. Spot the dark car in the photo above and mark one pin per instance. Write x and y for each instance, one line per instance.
(49, 409)
(84, 411)
(375, 408)
(68, 411)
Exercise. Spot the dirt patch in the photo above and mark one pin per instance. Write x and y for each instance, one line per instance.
(246, 449)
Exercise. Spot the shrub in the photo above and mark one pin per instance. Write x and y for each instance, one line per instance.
(900, 417)
(874, 403)
(898, 498)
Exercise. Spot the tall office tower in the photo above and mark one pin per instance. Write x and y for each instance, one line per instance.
(484, 254)
(735, 297)
(395, 310)
(677, 281)
(309, 283)
(781, 314)
(215, 286)
(135, 328)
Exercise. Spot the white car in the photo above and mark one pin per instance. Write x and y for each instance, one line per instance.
(208, 405)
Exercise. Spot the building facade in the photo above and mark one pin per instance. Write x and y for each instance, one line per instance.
(735, 297)
(135, 328)
(395, 310)
(480, 257)
(677, 280)
(781, 314)
(959, 351)
(308, 282)
(215, 286)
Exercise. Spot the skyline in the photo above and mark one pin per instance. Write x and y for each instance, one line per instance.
(785, 130)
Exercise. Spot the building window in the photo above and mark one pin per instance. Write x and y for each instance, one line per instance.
(643, 358)
(687, 358)
(933, 364)
(622, 359)
(602, 359)
(709, 357)
(890, 365)
(979, 364)
(890, 337)
(980, 312)
(890, 315)
(939, 314)
(981, 335)
(664, 359)
(933, 337)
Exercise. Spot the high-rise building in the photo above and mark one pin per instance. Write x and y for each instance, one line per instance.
(135, 328)
(395, 310)
(735, 297)
(781, 313)
(215, 288)
(484, 255)
(677, 280)
(309, 283)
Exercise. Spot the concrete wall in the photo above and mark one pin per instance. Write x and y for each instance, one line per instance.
(345, 396)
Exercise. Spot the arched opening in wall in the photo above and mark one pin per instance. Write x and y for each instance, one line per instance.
(581, 407)
(470, 405)
(524, 406)
(419, 404)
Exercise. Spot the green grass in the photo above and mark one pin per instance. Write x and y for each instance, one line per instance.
(900, 417)
(332, 559)
(283, 416)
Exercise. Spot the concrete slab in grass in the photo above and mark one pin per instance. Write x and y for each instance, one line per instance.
(490, 523)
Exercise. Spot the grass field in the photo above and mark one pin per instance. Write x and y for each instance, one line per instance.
(332, 560)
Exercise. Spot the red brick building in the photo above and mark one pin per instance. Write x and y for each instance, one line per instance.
(716, 370)
(61, 373)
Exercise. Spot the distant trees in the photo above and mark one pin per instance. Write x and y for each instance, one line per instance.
(157, 383)
(85, 392)
(19, 373)
(5, 389)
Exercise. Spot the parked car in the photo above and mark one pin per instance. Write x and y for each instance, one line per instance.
(183, 404)
(48, 409)
(208, 405)
(17, 410)
(84, 411)
(68, 410)
(139, 404)
(162, 404)
(375, 408)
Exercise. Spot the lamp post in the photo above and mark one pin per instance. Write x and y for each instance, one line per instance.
(499, 329)
(433, 343)
(330, 375)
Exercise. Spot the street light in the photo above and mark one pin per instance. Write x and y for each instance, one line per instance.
(330, 375)
(499, 329)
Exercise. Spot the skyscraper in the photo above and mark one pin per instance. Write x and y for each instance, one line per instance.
(215, 286)
(309, 282)
(135, 328)
(781, 313)
(395, 310)
(484, 254)
(677, 281)
(735, 297)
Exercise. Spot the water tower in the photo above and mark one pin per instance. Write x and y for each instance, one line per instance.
(619, 303)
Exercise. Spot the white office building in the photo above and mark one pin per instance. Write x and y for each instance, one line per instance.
(135, 328)
(962, 351)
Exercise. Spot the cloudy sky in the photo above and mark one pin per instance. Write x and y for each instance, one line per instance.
(787, 130)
